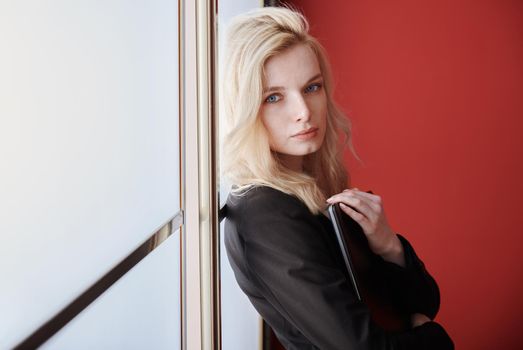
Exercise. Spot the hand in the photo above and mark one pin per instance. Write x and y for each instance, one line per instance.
(418, 319)
(367, 210)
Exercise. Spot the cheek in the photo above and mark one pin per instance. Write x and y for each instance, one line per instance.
(322, 120)
(271, 127)
(273, 121)
(320, 108)
(267, 125)
(322, 115)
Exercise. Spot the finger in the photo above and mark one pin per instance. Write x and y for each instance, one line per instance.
(374, 205)
(356, 216)
(372, 196)
(351, 189)
(367, 194)
(374, 202)
(358, 204)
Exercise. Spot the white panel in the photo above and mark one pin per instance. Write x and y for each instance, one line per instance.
(88, 143)
(241, 327)
(140, 311)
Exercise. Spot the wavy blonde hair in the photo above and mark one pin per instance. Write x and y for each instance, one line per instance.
(247, 159)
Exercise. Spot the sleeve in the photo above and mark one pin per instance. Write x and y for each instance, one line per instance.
(412, 285)
(287, 255)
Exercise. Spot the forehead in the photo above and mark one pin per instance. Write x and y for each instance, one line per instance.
(295, 64)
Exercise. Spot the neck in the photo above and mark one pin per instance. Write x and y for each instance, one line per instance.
(294, 163)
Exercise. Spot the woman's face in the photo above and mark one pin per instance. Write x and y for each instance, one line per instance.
(294, 107)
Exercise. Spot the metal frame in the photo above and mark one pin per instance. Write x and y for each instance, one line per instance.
(200, 245)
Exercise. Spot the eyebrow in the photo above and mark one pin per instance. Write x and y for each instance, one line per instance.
(277, 88)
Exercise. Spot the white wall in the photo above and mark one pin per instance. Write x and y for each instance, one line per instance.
(89, 148)
(241, 327)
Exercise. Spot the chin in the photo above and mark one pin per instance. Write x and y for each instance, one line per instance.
(310, 150)
(315, 146)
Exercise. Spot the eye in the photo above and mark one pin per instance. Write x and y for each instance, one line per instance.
(313, 87)
(272, 98)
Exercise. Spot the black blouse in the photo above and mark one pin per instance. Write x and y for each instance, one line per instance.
(287, 261)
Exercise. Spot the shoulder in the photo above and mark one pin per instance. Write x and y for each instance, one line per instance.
(264, 200)
(265, 213)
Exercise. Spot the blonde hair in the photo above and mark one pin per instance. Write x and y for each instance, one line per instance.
(247, 159)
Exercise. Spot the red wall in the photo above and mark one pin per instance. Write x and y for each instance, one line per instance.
(435, 92)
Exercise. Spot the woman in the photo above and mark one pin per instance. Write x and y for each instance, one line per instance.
(282, 155)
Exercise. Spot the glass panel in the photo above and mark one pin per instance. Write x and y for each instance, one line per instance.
(241, 327)
(89, 144)
(140, 311)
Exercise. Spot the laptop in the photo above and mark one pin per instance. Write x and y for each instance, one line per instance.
(365, 275)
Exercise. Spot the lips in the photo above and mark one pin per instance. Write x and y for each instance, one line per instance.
(306, 134)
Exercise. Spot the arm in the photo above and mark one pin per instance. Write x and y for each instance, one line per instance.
(402, 271)
(412, 284)
(288, 257)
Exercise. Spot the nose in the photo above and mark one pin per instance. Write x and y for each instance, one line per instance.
(301, 109)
